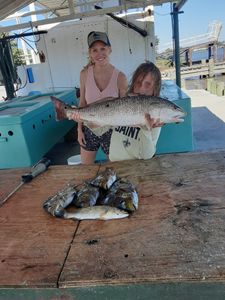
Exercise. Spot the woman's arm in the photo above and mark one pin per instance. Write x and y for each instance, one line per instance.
(83, 76)
(82, 103)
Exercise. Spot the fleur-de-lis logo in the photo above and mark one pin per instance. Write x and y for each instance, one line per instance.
(126, 143)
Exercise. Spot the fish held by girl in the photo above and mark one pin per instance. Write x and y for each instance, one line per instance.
(126, 111)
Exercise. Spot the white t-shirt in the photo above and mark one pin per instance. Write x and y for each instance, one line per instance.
(133, 143)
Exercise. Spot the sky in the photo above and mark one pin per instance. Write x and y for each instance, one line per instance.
(194, 20)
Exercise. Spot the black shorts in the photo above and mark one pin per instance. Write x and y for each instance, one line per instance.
(94, 142)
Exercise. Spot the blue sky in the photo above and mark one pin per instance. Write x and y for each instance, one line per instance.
(194, 21)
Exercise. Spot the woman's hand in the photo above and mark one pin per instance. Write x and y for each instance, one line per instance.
(75, 116)
(152, 123)
(81, 138)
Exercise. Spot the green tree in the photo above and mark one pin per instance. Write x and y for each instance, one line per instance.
(17, 54)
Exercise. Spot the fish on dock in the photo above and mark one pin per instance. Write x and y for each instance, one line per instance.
(56, 204)
(86, 196)
(104, 179)
(104, 197)
(122, 195)
(102, 212)
(126, 111)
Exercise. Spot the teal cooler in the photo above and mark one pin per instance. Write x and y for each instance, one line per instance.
(28, 129)
(176, 137)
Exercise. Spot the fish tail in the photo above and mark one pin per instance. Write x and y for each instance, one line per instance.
(60, 108)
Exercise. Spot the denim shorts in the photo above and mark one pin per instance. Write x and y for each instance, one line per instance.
(94, 142)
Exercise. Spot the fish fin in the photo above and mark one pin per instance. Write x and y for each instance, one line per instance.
(60, 108)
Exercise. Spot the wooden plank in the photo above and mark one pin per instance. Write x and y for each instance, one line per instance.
(177, 234)
(33, 244)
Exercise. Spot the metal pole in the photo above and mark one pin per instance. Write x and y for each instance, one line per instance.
(176, 43)
(7, 69)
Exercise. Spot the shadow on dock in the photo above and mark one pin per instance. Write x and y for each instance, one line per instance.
(208, 130)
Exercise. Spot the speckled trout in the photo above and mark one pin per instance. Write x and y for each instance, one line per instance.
(126, 111)
(96, 213)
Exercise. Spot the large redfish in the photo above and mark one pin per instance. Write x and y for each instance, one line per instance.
(126, 111)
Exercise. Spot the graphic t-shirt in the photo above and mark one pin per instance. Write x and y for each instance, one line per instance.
(133, 143)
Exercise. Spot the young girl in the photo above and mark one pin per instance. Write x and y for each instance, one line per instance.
(98, 80)
(134, 142)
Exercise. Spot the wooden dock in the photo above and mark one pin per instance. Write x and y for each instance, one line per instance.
(172, 247)
(198, 70)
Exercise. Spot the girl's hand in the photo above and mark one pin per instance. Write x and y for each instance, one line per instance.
(81, 138)
(152, 123)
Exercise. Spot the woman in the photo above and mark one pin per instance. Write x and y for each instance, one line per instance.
(134, 142)
(98, 80)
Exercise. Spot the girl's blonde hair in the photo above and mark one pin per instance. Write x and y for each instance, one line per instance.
(140, 73)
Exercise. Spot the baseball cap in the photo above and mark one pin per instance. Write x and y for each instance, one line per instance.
(97, 36)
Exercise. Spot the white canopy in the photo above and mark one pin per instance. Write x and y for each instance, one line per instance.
(53, 11)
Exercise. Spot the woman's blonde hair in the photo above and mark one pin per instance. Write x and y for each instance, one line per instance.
(140, 73)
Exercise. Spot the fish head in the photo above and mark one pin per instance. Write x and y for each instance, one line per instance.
(55, 205)
(87, 196)
(59, 213)
(171, 113)
(54, 208)
(114, 213)
(105, 179)
(126, 201)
